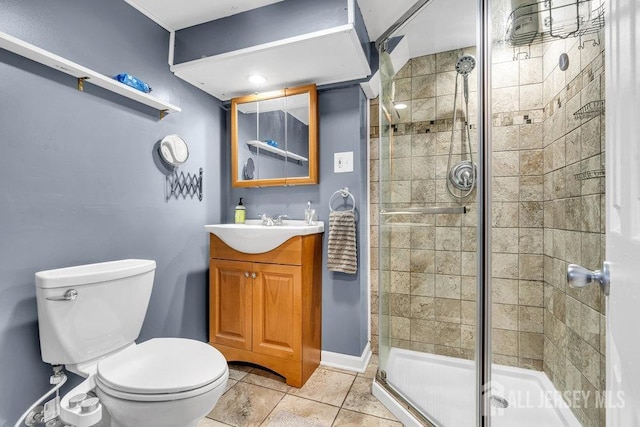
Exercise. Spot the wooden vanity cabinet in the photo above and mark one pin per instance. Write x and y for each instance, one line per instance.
(266, 308)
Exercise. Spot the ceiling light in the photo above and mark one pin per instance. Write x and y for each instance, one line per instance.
(257, 79)
(400, 106)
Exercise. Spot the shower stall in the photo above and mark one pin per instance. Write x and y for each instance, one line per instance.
(487, 182)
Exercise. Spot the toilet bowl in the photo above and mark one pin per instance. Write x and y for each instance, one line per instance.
(89, 317)
(163, 382)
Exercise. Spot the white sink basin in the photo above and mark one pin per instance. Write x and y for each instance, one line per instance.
(253, 238)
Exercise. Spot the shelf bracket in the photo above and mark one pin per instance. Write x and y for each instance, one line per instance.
(163, 114)
(81, 83)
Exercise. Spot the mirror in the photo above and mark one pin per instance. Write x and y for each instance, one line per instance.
(274, 135)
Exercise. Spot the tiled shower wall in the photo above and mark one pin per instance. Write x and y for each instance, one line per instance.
(517, 203)
(432, 266)
(543, 217)
(428, 261)
(547, 212)
(574, 222)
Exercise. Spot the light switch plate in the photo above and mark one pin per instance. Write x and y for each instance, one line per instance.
(343, 162)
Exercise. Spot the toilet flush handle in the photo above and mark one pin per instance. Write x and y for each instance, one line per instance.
(70, 295)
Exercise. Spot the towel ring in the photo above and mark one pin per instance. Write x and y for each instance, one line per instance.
(344, 192)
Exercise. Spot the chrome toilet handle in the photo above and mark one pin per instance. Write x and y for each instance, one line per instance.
(580, 277)
(70, 295)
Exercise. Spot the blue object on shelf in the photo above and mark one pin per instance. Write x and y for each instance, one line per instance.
(134, 82)
(272, 143)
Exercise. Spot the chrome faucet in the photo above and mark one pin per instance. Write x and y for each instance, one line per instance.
(279, 219)
(268, 220)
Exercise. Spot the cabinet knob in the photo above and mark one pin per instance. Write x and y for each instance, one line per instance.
(253, 275)
(246, 274)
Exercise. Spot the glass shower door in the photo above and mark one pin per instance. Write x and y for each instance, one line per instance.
(427, 238)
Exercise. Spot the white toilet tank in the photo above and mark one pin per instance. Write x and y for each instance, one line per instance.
(106, 313)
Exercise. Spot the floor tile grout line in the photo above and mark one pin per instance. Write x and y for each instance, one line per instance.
(314, 400)
(369, 415)
(272, 409)
(366, 413)
(291, 390)
(348, 391)
(266, 388)
(258, 385)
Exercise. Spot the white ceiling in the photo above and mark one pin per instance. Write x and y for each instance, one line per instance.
(286, 63)
(175, 15)
(440, 26)
(381, 14)
(429, 32)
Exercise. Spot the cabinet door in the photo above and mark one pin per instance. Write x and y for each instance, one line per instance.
(230, 298)
(277, 311)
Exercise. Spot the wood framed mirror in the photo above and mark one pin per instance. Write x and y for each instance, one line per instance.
(274, 135)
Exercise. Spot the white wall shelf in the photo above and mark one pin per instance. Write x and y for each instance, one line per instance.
(266, 147)
(83, 74)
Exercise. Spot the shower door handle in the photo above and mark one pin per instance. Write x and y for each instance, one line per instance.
(580, 277)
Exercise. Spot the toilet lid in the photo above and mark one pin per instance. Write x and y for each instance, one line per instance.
(162, 365)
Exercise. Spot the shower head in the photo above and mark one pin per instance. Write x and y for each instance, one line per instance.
(465, 65)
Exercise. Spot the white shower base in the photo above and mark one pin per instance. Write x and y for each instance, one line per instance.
(443, 387)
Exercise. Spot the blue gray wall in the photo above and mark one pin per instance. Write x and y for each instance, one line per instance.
(277, 21)
(342, 114)
(79, 181)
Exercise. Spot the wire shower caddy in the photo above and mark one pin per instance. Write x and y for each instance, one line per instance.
(548, 20)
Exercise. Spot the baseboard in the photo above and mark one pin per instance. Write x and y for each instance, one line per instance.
(347, 361)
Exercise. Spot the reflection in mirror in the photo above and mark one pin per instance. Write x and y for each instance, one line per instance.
(248, 169)
(297, 133)
(278, 131)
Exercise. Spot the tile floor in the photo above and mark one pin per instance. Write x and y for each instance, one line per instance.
(331, 397)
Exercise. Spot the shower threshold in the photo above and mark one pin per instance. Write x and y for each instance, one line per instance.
(442, 388)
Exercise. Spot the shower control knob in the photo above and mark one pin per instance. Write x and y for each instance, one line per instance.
(90, 405)
(77, 399)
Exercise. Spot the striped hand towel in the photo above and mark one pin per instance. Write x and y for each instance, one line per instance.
(342, 253)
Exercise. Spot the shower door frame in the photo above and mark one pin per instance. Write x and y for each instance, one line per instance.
(483, 196)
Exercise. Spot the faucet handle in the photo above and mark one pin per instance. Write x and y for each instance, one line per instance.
(266, 219)
(280, 218)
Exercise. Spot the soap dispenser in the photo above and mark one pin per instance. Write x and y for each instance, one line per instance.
(309, 214)
(240, 213)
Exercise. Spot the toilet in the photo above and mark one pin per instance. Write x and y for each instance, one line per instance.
(89, 317)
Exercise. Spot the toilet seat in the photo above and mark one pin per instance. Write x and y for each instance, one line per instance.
(162, 369)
